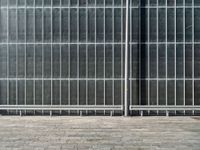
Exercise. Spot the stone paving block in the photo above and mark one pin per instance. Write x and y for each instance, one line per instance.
(109, 133)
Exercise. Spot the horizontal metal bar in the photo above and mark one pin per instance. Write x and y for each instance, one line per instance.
(61, 107)
(90, 7)
(70, 79)
(163, 79)
(89, 79)
(168, 42)
(61, 43)
(58, 7)
(164, 107)
(97, 43)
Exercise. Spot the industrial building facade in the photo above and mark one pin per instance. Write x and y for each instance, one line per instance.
(100, 56)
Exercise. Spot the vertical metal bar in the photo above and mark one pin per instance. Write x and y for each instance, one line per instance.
(111, 113)
(25, 51)
(104, 71)
(95, 49)
(167, 113)
(148, 55)
(51, 53)
(141, 113)
(81, 113)
(78, 39)
(16, 54)
(60, 47)
(166, 42)
(7, 83)
(130, 61)
(157, 55)
(50, 113)
(126, 62)
(86, 54)
(139, 52)
(193, 55)
(122, 51)
(34, 57)
(175, 54)
(42, 54)
(113, 54)
(8, 55)
(184, 52)
(69, 94)
(20, 113)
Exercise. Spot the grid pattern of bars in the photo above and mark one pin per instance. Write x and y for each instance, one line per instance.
(61, 52)
(164, 52)
(71, 52)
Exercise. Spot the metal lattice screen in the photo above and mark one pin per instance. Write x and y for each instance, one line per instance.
(70, 54)
(55, 52)
(164, 54)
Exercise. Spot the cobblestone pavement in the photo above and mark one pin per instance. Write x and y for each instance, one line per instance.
(102, 133)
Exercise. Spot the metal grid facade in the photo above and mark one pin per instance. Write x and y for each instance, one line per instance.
(65, 52)
(164, 55)
(69, 56)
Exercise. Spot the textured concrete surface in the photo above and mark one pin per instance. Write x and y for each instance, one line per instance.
(103, 133)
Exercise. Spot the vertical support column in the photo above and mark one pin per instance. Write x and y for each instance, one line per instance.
(126, 62)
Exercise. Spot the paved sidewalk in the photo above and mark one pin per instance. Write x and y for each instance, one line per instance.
(102, 133)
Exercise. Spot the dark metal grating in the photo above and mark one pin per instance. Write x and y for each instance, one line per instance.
(58, 55)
